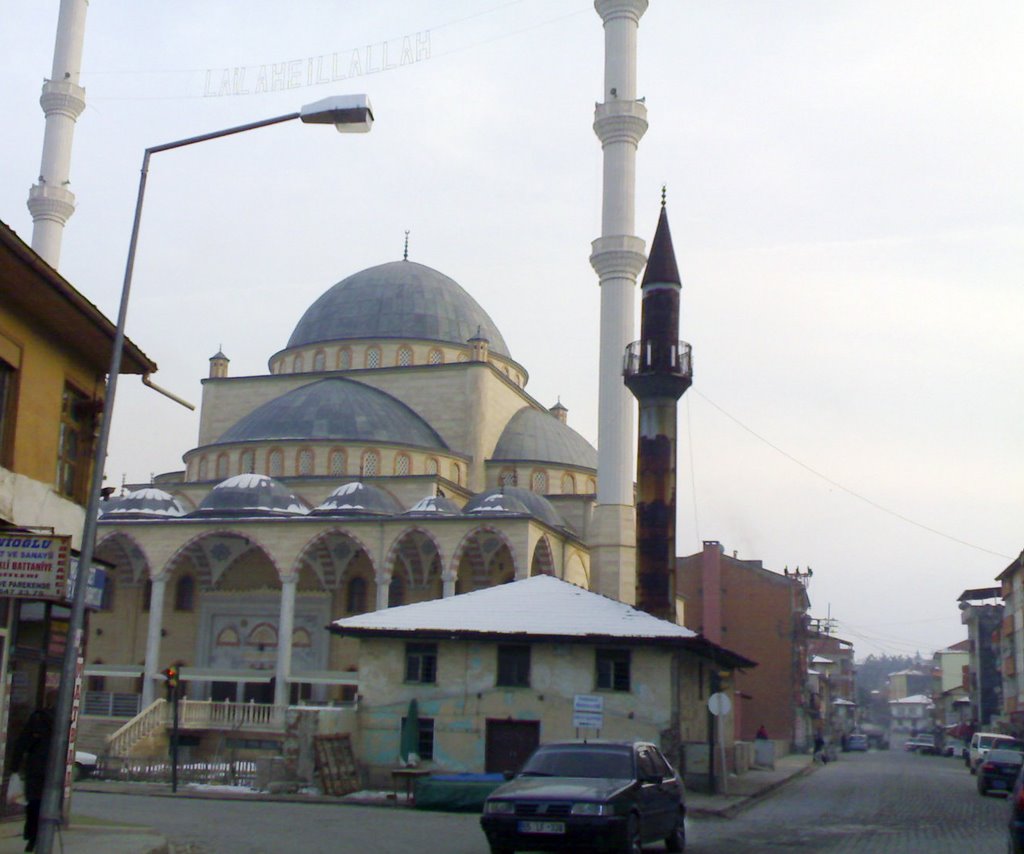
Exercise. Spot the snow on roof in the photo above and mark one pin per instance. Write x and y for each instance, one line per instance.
(541, 605)
(914, 699)
(841, 701)
(820, 659)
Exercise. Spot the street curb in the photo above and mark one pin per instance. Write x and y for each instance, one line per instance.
(745, 803)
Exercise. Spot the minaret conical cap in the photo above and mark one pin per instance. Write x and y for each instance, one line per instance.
(661, 263)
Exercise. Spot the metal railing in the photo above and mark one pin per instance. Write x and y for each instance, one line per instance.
(111, 704)
(646, 357)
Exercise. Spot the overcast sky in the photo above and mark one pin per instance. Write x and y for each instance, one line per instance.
(845, 190)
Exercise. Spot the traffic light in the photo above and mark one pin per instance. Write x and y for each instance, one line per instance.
(171, 677)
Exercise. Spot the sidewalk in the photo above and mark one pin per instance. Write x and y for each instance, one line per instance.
(745, 789)
(90, 839)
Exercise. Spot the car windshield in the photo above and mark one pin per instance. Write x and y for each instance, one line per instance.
(1003, 754)
(616, 763)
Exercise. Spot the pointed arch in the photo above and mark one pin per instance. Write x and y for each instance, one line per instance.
(484, 557)
(543, 562)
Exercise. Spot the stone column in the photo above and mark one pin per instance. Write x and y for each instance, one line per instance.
(153, 635)
(285, 627)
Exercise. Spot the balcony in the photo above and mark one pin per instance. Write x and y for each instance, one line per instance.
(656, 369)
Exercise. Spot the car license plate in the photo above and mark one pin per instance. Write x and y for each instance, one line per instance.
(542, 827)
(998, 784)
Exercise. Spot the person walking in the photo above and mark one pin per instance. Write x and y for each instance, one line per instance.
(29, 755)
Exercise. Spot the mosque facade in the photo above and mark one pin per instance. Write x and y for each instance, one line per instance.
(391, 455)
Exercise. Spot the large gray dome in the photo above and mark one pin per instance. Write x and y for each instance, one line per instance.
(335, 409)
(251, 495)
(514, 499)
(532, 434)
(358, 499)
(146, 503)
(401, 299)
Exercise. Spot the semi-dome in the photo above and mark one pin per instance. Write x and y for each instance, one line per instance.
(400, 299)
(358, 499)
(335, 409)
(251, 495)
(433, 505)
(147, 503)
(513, 499)
(533, 434)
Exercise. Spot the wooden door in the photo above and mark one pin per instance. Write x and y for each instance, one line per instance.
(509, 744)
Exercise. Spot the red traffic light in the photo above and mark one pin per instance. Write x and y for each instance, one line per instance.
(171, 675)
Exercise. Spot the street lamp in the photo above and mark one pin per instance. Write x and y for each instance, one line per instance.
(349, 114)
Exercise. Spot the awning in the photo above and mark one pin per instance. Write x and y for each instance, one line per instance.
(325, 677)
(113, 670)
(212, 674)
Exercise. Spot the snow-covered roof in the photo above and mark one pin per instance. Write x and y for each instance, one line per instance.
(914, 699)
(910, 672)
(820, 659)
(841, 701)
(542, 606)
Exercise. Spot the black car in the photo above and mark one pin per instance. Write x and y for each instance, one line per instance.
(1016, 826)
(999, 770)
(599, 795)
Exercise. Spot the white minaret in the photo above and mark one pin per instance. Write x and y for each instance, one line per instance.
(50, 201)
(618, 256)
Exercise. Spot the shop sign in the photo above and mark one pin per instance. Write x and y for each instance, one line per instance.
(34, 566)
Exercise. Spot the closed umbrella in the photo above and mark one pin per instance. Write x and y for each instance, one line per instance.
(408, 748)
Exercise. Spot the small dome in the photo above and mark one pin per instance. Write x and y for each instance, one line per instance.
(251, 495)
(433, 505)
(401, 299)
(358, 499)
(537, 435)
(335, 409)
(509, 497)
(148, 503)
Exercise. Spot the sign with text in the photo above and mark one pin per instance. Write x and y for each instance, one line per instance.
(588, 711)
(34, 566)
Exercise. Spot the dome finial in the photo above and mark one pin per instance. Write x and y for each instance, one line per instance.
(664, 190)
(405, 252)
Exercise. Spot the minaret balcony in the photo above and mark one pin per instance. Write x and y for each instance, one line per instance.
(657, 368)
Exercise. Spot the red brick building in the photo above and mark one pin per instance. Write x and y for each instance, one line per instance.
(761, 615)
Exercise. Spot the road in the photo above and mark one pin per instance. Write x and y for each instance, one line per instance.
(888, 802)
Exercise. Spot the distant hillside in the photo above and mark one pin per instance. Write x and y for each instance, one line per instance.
(874, 670)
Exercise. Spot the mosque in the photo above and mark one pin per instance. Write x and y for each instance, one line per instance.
(391, 455)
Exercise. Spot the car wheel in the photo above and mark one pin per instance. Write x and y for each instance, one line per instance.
(634, 841)
(676, 841)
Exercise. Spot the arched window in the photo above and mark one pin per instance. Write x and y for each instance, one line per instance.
(591, 486)
(396, 591)
(319, 360)
(435, 357)
(247, 462)
(539, 481)
(431, 465)
(344, 358)
(222, 466)
(507, 477)
(401, 465)
(275, 463)
(373, 357)
(107, 599)
(463, 357)
(355, 596)
(202, 473)
(185, 594)
(336, 465)
(455, 473)
(568, 484)
(304, 462)
(371, 463)
(404, 357)
(299, 365)
(147, 594)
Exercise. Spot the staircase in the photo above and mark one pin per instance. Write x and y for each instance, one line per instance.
(93, 733)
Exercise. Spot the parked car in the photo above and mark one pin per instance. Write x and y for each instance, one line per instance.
(606, 796)
(856, 741)
(85, 764)
(999, 771)
(954, 747)
(920, 744)
(981, 743)
(1016, 826)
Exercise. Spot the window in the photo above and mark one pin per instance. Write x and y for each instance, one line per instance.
(463, 357)
(8, 397)
(454, 473)
(507, 477)
(435, 357)
(222, 466)
(344, 359)
(337, 463)
(613, 669)
(539, 481)
(514, 666)
(425, 742)
(202, 473)
(373, 357)
(247, 462)
(355, 596)
(401, 465)
(404, 356)
(568, 484)
(431, 465)
(371, 462)
(299, 365)
(305, 462)
(421, 663)
(73, 449)
(319, 360)
(275, 463)
(185, 594)
(591, 486)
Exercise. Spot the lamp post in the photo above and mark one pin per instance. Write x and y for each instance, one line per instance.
(349, 114)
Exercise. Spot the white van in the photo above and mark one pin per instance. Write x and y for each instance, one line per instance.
(982, 743)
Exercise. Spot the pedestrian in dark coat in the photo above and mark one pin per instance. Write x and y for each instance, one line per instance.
(29, 755)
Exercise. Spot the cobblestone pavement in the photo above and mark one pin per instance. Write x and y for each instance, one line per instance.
(889, 802)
